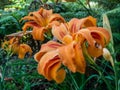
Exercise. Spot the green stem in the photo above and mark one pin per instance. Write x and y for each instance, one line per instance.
(99, 71)
(2, 78)
(84, 6)
(116, 77)
(96, 67)
(113, 61)
(107, 83)
(74, 82)
(102, 76)
(83, 84)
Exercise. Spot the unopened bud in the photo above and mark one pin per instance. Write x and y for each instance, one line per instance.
(0, 75)
(107, 56)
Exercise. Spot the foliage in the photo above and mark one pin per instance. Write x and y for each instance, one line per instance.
(107, 4)
(19, 74)
(17, 4)
(10, 20)
(114, 21)
(3, 3)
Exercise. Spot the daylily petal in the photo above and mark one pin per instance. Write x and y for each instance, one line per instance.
(23, 49)
(98, 37)
(45, 60)
(12, 40)
(38, 33)
(40, 20)
(38, 55)
(66, 53)
(94, 48)
(79, 59)
(74, 25)
(88, 21)
(49, 46)
(95, 51)
(59, 31)
(52, 24)
(72, 57)
(79, 38)
(58, 74)
(56, 17)
(45, 13)
(102, 37)
(15, 48)
(87, 35)
(49, 66)
(67, 39)
(103, 32)
(29, 24)
(30, 18)
(14, 44)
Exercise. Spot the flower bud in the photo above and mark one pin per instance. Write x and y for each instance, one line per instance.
(107, 56)
(0, 75)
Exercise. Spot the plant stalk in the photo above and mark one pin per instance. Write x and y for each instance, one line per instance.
(74, 82)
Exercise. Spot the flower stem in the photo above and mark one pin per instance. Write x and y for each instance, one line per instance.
(114, 61)
(80, 2)
(116, 77)
(74, 81)
(107, 83)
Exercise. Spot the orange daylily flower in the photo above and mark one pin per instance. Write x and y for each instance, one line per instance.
(5, 45)
(11, 45)
(97, 38)
(41, 21)
(62, 33)
(23, 49)
(72, 57)
(76, 24)
(49, 62)
(102, 32)
(53, 54)
(73, 26)
(68, 51)
(49, 46)
(14, 44)
(50, 67)
(16, 48)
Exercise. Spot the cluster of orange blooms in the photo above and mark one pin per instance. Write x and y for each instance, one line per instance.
(15, 47)
(67, 48)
